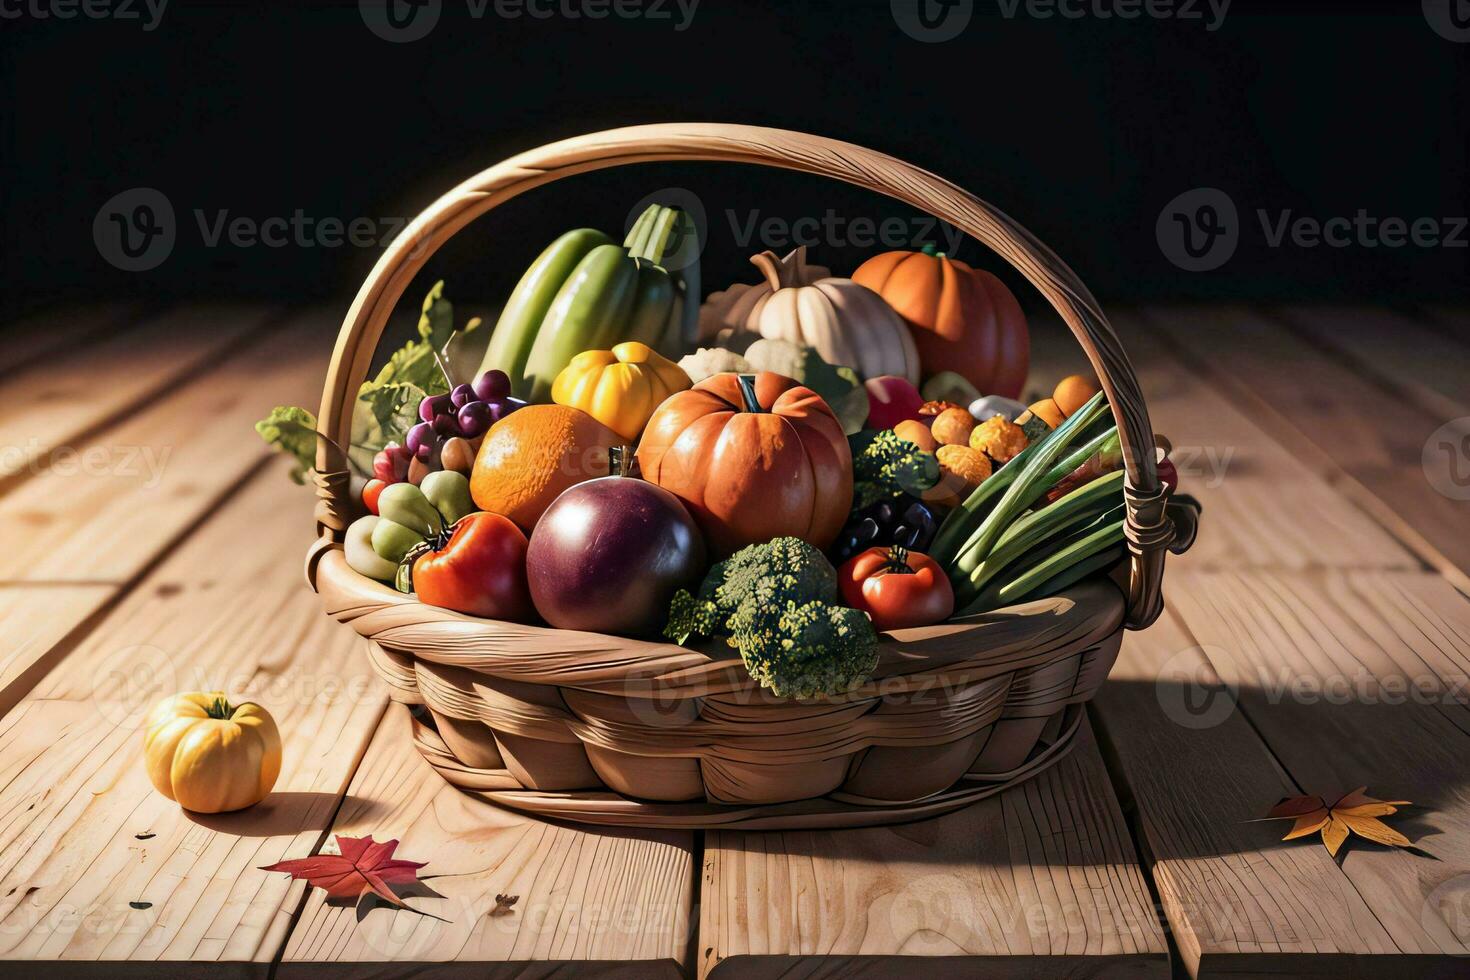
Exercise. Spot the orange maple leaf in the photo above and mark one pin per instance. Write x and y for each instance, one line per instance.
(1353, 813)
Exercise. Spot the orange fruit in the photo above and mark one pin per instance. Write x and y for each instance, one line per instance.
(529, 457)
(1072, 392)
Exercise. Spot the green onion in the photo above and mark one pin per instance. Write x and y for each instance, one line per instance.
(1077, 509)
(969, 556)
(1053, 564)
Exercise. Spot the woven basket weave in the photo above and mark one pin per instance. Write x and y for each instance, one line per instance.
(606, 729)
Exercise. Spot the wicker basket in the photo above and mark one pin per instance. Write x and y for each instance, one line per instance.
(605, 729)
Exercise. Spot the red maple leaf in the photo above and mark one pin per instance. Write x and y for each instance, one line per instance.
(363, 866)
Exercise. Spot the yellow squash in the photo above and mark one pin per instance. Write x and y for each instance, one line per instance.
(211, 756)
(620, 387)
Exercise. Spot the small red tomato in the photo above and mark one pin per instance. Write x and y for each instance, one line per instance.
(371, 490)
(897, 588)
(1168, 475)
(480, 569)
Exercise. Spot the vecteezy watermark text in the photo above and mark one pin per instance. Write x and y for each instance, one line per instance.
(147, 12)
(840, 231)
(1200, 229)
(935, 21)
(402, 21)
(136, 230)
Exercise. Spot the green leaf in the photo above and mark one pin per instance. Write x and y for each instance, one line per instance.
(291, 430)
(436, 323)
(393, 409)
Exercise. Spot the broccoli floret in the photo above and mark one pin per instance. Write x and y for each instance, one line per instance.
(692, 616)
(885, 467)
(756, 575)
(808, 649)
(776, 604)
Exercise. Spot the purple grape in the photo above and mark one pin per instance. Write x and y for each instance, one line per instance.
(420, 440)
(500, 408)
(492, 386)
(461, 396)
(434, 405)
(474, 419)
(446, 424)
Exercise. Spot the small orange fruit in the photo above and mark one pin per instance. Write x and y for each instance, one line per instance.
(529, 457)
(916, 432)
(1072, 393)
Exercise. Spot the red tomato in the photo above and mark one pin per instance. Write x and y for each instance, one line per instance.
(1168, 475)
(897, 588)
(480, 570)
(371, 490)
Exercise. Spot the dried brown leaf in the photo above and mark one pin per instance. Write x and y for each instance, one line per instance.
(1353, 813)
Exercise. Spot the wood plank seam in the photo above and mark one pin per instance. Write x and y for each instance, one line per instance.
(25, 682)
(1128, 806)
(121, 321)
(316, 848)
(1290, 321)
(271, 321)
(1339, 479)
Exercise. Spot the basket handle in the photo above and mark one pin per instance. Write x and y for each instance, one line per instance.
(1148, 528)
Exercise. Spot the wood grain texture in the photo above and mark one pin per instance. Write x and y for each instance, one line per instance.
(1406, 354)
(1359, 436)
(34, 620)
(77, 534)
(1264, 506)
(96, 868)
(140, 483)
(1039, 881)
(47, 408)
(51, 334)
(1193, 772)
(591, 903)
(1359, 678)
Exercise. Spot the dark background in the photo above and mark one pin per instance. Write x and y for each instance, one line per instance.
(1081, 129)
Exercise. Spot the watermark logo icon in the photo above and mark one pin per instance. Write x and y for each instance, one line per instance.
(932, 21)
(1199, 230)
(1446, 459)
(1447, 908)
(1450, 19)
(135, 230)
(400, 21)
(1190, 693)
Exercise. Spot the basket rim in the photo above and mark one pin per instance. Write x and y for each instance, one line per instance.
(948, 654)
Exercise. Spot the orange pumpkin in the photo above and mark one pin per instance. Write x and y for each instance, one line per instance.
(753, 457)
(963, 319)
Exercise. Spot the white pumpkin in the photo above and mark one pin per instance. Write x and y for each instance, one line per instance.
(847, 323)
(725, 309)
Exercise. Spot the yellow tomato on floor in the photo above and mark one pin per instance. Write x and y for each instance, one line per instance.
(211, 756)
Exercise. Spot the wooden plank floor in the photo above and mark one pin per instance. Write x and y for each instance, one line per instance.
(156, 546)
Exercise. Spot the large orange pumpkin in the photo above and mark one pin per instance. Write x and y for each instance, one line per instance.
(754, 457)
(963, 319)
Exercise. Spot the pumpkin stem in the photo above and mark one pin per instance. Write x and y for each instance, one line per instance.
(619, 461)
(931, 249)
(777, 273)
(219, 708)
(747, 392)
(898, 561)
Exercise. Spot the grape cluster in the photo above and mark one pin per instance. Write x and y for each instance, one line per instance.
(904, 521)
(466, 412)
